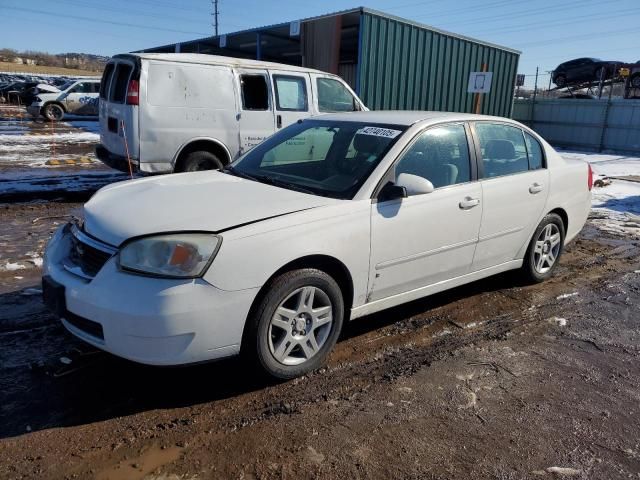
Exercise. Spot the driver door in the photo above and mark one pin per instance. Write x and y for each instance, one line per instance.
(424, 239)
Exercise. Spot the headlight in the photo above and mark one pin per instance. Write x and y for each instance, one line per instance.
(184, 255)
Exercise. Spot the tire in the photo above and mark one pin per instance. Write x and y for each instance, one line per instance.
(53, 112)
(201, 160)
(560, 80)
(544, 251)
(635, 81)
(287, 337)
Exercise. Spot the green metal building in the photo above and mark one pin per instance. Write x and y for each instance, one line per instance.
(392, 63)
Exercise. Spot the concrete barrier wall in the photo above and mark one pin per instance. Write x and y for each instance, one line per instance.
(594, 125)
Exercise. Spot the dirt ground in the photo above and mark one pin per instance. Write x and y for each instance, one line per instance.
(491, 380)
(494, 380)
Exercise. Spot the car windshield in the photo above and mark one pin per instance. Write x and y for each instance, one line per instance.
(322, 157)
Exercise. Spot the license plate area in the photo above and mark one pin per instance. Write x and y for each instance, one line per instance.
(53, 296)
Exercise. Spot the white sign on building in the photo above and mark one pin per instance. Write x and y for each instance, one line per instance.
(480, 82)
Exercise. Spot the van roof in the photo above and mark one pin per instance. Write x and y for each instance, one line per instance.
(205, 59)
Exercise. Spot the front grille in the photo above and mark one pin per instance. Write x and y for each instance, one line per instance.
(88, 326)
(87, 255)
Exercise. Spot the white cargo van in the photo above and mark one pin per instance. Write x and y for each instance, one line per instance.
(184, 112)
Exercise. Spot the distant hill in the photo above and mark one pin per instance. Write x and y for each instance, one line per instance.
(85, 62)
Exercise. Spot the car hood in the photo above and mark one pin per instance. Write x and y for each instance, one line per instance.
(45, 88)
(199, 201)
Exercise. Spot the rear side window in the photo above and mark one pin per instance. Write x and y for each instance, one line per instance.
(291, 93)
(84, 87)
(534, 150)
(333, 96)
(106, 81)
(255, 93)
(123, 71)
(503, 149)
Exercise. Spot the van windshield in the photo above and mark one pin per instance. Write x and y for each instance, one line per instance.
(321, 157)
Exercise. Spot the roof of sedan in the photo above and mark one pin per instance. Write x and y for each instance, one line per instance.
(404, 117)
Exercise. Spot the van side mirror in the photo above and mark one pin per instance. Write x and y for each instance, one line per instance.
(391, 191)
(414, 184)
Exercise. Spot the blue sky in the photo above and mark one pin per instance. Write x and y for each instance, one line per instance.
(547, 31)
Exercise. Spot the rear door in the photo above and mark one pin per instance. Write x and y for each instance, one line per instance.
(116, 116)
(515, 186)
(256, 117)
(292, 94)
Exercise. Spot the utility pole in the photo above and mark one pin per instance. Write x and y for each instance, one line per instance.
(215, 16)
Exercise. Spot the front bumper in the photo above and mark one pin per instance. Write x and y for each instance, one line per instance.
(148, 320)
(116, 161)
(34, 110)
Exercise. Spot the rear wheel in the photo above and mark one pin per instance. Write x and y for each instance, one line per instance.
(635, 81)
(296, 324)
(560, 80)
(201, 160)
(53, 112)
(544, 249)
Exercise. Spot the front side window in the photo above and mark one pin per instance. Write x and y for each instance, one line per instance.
(440, 154)
(329, 158)
(333, 96)
(503, 149)
(255, 93)
(291, 93)
(84, 87)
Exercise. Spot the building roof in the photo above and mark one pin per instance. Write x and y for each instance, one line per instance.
(206, 59)
(354, 10)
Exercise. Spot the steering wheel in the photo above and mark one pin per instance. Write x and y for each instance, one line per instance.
(349, 166)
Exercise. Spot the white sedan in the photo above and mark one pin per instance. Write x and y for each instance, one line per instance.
(331, 219)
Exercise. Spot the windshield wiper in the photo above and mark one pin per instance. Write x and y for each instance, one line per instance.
(237, 173)
(276, 182)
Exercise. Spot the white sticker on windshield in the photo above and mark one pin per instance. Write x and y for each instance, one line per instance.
(379, 132)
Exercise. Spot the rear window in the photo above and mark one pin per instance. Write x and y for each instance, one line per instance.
(106, 80)
(123, 71)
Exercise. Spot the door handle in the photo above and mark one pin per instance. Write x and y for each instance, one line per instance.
(279, 121)
(468, 203)
(536, 188)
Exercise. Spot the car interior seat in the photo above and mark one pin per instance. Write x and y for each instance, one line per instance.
(430, 160)
(500, 158)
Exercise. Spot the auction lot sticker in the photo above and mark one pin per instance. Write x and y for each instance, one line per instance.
(379, 132)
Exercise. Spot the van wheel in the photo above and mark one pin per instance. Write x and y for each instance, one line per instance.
(201, 160)
(544, 250)
(295, 324)
(53, 112)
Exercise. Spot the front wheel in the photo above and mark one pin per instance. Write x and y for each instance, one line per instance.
(53, 112)
(560, 81)
(296, 324)
(544, 249)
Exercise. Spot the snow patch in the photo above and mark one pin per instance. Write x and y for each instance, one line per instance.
(566, 295)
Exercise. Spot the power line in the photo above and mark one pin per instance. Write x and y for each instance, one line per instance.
(89, 19)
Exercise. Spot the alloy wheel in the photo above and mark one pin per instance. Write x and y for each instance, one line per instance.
(547, 248)
(300, 326)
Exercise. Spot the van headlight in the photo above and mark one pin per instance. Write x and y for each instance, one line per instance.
(183, 255)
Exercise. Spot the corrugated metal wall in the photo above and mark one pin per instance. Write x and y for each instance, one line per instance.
(408, 67)
(584, 124)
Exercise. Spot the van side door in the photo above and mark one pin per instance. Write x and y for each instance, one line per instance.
(256, 108)
(292, 94)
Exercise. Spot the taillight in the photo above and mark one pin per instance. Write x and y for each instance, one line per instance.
(133, 91)
(590, 178)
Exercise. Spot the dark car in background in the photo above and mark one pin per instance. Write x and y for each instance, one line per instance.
(635, 74)
(584, 70)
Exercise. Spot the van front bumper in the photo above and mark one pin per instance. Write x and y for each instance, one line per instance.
(116, 161)
(144, 319)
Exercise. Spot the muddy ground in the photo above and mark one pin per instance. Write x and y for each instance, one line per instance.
(494, 380)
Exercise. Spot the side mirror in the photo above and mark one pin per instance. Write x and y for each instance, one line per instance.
(391, 191)
(413, 184)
